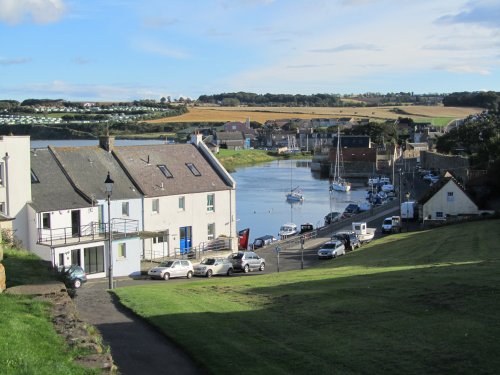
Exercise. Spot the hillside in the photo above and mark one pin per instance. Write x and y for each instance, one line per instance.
(414, 303)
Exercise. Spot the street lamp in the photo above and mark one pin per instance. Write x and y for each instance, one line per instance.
(407, 210)
(109, 190)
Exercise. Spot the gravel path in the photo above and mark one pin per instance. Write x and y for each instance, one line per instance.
(137, 348)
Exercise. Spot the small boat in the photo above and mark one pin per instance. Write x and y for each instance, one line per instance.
(387, 188)
(338, 183)
(295, 195)
(288, 230)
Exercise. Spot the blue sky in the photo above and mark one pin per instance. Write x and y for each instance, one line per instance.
(128, 49)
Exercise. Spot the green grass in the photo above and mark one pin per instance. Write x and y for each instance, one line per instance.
(436, 121)
(232, 159)
(28, 342)
(414, 303)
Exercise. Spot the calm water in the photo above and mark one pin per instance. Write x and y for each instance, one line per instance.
(261, 203)
(260, 194)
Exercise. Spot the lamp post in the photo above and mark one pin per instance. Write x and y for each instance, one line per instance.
(109, 190)
(407, 210)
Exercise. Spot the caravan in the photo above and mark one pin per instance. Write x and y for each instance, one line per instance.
(409, 210)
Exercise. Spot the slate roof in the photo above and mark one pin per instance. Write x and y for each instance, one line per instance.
(439, 185)
(53, 191)
(87, 167)
(141, 164)
(230, 136)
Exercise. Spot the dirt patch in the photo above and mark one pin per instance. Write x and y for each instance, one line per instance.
(77, 333)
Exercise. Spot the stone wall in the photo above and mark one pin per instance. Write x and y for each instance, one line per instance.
(458, 165)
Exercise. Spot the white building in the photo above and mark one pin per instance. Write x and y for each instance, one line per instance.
(15, 187)
(189, 198)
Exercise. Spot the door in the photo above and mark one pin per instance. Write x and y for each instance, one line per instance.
(185, 240)
(176, 269)
(75, 257)
(75, 223)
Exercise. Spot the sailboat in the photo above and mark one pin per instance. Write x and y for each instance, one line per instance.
(338, 183)
(295, 194)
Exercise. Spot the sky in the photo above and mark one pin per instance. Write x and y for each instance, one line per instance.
(110, 50)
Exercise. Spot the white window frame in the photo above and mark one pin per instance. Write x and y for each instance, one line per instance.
(155, 205)
(182, 203)
(211, 231)
(211, 205)
(125, 209)
(122, 250)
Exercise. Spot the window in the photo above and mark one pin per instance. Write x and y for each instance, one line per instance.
(165, 171)
(125, 208)
(46, 220)
(193, 169)
(210, 202)
(182, 203)
(75, 257)
(2, 183)
(94, 259)
(155, 206)
(158, 239)
(122, 250)
(2, 207)
(439, 215)
(211, 231)
(450, 197)
(34, 178)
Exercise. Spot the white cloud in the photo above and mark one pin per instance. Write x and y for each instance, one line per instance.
(15, 61)
(468, 69)
(37, 11)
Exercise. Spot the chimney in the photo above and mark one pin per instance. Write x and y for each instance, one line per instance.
(106, 142)
(247, 123)
(196, 138)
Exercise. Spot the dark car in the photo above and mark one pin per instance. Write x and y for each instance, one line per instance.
(263, 241)
(72, 276)
(332, 217)
(351, 209)
(350, 240)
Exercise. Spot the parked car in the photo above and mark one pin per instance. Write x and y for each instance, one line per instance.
(331, 249)
(72, 276)
(332, 217)
(172, 268)
(263, 241)
(213, 266)
(350, 210)
(246, 261)
(349, 238)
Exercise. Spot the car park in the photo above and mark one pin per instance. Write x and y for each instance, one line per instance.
(348, 238)
(263, 241)
(246, 261)
(331, 249)
(172, 268)
(213, 266)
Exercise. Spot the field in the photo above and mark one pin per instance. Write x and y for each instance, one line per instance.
(232, 159)
(413, 303)
(262, 114)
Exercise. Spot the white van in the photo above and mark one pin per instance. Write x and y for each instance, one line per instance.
(409, 210)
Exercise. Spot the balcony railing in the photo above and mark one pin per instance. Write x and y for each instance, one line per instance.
(87, 233)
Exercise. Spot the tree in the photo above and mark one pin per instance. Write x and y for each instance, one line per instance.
(163, 100)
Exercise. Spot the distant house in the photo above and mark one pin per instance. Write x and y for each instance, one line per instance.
(447, 198)
(233, 140)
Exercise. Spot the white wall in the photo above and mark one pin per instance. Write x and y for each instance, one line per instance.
(459, 204)
(15, 189)
(171, 218)
(131, 264)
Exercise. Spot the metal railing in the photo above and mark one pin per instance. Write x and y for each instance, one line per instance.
(89, 232)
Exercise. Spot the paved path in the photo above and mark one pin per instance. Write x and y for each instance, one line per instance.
(137, 348)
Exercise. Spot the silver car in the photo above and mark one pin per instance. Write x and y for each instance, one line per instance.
(331, 249)
(172, 268)
(213, 266)
(248, 261)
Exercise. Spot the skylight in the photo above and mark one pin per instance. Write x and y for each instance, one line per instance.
(193, 169)
(34, 178)
(165, 171)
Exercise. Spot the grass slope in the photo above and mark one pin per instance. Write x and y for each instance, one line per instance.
(414, 303)
(232, 159)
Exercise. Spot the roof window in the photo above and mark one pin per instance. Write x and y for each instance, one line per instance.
(165, 171)
(193, 169)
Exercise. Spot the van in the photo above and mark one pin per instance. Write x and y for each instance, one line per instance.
(409, 210)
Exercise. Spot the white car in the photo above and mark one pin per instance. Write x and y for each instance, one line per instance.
(172, 268)
(214, 266)
(331, 249)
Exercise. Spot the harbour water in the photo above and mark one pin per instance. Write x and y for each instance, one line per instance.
(260, 193)
(261, 203)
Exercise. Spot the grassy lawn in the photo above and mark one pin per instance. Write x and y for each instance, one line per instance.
(29, 343)
(232, 159)
(414, 303)
(436, 121)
